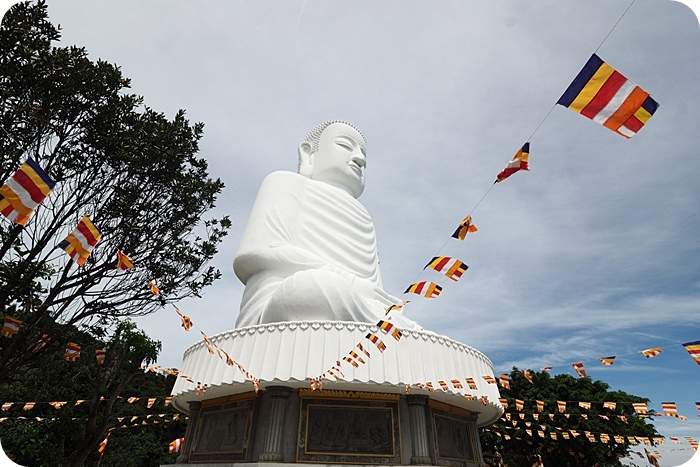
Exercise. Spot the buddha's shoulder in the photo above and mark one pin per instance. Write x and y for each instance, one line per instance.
(283, 180)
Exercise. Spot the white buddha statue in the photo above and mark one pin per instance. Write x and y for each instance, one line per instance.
(309, 251)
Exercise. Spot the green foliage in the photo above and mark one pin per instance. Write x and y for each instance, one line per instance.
(521, 449)
(60, 433)
(131, 170)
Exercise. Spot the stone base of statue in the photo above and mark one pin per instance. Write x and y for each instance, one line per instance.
(367, 416)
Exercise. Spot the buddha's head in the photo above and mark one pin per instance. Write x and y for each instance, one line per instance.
(334, 153)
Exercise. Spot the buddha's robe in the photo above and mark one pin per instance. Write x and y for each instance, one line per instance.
(309, 252)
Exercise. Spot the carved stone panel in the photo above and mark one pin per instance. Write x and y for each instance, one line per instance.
(349, 431)
(223, 432)
(453, 439)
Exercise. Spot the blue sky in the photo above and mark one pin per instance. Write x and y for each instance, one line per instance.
(592, 253)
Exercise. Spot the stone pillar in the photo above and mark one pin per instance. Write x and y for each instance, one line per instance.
(195, 408)
(272, 445)
(417, 405)
(476, 443)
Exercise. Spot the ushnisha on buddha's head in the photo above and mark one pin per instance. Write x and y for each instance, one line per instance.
(334, 153)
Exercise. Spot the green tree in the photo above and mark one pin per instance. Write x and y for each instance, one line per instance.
(130, 169)
(69, 435)
(517, 448)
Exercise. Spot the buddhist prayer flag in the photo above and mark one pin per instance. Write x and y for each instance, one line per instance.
(609, 405)
(456, 384)
(584, 405)
(150, 403)
(693, 349)
(154, 288)
(72, 352)
(519, 404)
(540, 406)
(607, 361)
(11, 327)
(176, 445)
(103, 445)
(207, 342)
(452, 268)
(354, 355)
(578, 366)
(485, 400)
(640, 408)
(41, 343)
(443, 385)
(186, 321)
(100, 356)
(24, 191)
(675, 440)
(669, 409)
(561, 405)
(363, 350)
(547, 368)
(80, 243)
(351, 361)
(504, 403)
(504, 379)
(489, 379)
(376, 341)
(650, 353)
(471, 383)
(528, 376)
(424, 288)
(396, 306)
(464, 228)
(602, 94)
(518, 162)
(123, 261)
(389, 328)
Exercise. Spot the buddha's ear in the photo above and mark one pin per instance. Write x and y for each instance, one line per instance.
(306, 159)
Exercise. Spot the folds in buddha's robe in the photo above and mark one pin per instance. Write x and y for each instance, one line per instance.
(309, 252)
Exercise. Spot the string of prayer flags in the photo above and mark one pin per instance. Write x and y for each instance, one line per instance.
(604, 95)
(72, 352)
(504, 379)
(578, 366)
(517, 163)
(24, 191)
(376, 341)
(103, 445)
(124, 263)
(607, 361)
(424, 288)
(464, 228)
(175, 445)
(389, 328)
(670, 409)
(154, 288)
(43, 341)
(651, 353)
(186, 321)
(453, 268)
(100, 356)
(693, 349)
(208, 343)
(11, 327)
(354, 355)
(81, 241)
(652, 458)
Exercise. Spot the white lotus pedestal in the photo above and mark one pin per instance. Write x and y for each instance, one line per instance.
(366, 417)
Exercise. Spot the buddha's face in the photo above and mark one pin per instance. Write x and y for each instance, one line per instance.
(340, 159)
